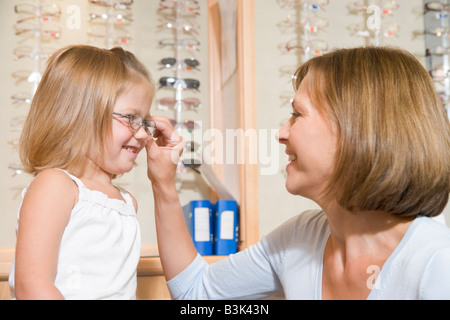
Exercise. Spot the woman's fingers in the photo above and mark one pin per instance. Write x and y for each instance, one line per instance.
(165, 135)
(163, 151)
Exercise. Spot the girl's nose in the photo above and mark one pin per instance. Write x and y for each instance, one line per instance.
(141, 133)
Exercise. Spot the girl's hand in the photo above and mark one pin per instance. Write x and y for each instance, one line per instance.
(163, 152)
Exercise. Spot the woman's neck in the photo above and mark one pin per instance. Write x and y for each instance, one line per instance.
(370, 233)
(360, 243)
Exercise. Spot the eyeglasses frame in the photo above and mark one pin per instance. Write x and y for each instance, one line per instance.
(146, 123)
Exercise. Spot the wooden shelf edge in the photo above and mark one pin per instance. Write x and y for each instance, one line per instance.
(151, 266)
(148, 266)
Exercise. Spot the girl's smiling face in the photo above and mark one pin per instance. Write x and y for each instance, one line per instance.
(311, 143)
(124, 144)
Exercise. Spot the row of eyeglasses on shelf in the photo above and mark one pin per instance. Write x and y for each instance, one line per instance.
(179, 17)
(36, 26)
(306, 22)
(40, 22)
(437, 31)
(305, 19)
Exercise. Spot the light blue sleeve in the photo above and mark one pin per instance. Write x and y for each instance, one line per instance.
(250, 274)
(245, 275)
(435, 284)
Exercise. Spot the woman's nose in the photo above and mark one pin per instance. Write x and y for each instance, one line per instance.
(283, 133)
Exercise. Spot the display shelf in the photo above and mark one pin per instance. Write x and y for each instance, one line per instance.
(437, 30)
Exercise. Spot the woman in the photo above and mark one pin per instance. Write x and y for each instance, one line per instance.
(368, 141)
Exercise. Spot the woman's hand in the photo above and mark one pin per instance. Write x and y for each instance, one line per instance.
(163, 152)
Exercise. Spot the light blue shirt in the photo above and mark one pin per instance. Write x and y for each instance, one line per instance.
(289, 260)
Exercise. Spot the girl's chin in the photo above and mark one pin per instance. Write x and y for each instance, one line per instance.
(123, 170)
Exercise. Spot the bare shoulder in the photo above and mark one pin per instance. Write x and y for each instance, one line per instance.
(54, 185)
(134, 202)
(44, 215)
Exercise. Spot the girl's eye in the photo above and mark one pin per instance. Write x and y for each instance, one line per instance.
(295, 114)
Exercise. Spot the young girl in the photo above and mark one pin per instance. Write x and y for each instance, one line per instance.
(78, 236)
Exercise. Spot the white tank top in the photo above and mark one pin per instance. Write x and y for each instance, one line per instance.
(99, 250)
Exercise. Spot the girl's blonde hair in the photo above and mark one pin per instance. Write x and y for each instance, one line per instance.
(74, 103)
(394, 134)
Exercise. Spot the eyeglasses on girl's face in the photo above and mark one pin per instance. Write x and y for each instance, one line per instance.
(136, 122)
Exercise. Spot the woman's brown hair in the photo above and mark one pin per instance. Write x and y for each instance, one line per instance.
(73, 105)
(394, 134)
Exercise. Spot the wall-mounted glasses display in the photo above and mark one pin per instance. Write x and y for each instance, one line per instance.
(305, 22)
(36, 26)
(178, 17)
(109, 19)
(379, 25)
(437, 30)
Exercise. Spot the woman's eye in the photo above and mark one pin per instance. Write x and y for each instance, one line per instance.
(295, 114)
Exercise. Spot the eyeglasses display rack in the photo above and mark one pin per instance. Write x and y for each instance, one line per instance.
(378, 22)
(36, 27)
(178, 16)
(305, 23)
(108, 20)
(437, 30)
